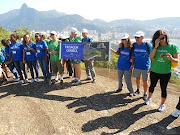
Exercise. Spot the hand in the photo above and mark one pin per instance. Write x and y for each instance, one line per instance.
(75, 60)
(24, 61)
(169, 56)
(157, 41)
(120, 45)
(59, 41)
(29, 48)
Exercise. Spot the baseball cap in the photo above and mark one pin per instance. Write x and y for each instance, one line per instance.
(139, 34)
(42, 33)
(53, 32)
(125, 36)
(84, 31)
(74, 30)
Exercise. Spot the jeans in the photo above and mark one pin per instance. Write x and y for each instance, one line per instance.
(89, 65)
(20, 66)
(13, 69)
(44, 67)
(33, 65)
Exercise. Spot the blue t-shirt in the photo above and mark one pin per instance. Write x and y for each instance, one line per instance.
(6, 51)
(141, 56)
(124, 61)
(17, 51)
(40, 47)
(29, 54)
(2, 58)
(87, 40)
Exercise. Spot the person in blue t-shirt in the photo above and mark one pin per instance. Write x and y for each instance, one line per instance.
(29, 56)
(11, 66)
(141, 61)
(2, 60)
(88, 63)
(124, 63)
(41, 48)
(16, 55)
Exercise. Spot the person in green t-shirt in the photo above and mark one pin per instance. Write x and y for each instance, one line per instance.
(53, 49)
(162, 54)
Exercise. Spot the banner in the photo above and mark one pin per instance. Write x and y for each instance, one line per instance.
(97, 51)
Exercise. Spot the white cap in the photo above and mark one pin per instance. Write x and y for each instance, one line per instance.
(62, 36)
(74, 30)
(125, 36)
(53, 32)
(42, 33)
(139, 34)
(84, 31)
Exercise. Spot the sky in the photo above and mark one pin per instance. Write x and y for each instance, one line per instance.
(107, 10)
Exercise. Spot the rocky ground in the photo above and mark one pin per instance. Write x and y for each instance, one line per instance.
(92, 109)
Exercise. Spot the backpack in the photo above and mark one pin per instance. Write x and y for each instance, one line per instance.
(88, 40)
(147, 48)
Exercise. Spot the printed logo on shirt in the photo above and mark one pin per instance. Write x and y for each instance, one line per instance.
(140, 50)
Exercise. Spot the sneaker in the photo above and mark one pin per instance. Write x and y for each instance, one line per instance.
(21, 81)
(145, 96)
(94, 81)
(26, 81)
(161, 107)
(118, 90)
(37, 80)
(88, 78)
(131, 94)
(16, 79)
(137, 91)
(74, 81)
(49, 81)
(148, 101)
(56, 79)
(77, 83)
(61, 82)
(32, 80)
(176, 113)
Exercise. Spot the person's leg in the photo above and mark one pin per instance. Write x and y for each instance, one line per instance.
(176, 113)
(120, 80)
(5, 69)
(40, 60)
(86, 63)
(69, 67)
(34, 64)
(13, 70)
(60, 70)
(30, 65)
(164, 79)
(154, 77)
(178, 105)
(137, 75)
(92, 71)
(22, 65)
(18, 68)
(127, 76)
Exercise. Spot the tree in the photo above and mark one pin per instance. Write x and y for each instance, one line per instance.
(4, 34)
(20, 32)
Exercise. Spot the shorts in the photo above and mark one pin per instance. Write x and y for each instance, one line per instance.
(56, 66)
(137, 73)
(76, 62)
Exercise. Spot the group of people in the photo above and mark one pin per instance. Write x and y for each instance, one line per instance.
(143, 58)
(137, 59)
(45, 53)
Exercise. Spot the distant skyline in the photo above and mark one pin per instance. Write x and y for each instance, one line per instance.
(107, 10)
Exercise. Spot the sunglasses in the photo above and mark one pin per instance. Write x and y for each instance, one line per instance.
(162, 38)
(123, 39)
(137, 37)
(36, 36)
(52, 34)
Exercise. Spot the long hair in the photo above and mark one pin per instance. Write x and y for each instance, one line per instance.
(128, 44)
(24, 41)
(157, 34)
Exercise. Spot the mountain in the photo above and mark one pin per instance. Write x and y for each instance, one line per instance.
(54, 20)
(45, 20)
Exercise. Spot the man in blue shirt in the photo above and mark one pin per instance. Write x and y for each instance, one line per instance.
(88, 63)
(141, 61)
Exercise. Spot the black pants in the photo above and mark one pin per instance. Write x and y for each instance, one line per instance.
(164, 79)
(178, 105)
(70, 69)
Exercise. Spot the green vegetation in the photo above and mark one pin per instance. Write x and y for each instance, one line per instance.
(174, 80)
(20, 32)
(4, 34)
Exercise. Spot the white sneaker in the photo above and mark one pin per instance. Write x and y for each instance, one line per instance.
(37, 79)
(56, 79)
(16, 79)
(176, 113)
(21, 81)
(161, 107)
(148, 101)
(32, 80)
(26, 81)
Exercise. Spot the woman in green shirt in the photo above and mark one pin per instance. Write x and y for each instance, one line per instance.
(162, 54)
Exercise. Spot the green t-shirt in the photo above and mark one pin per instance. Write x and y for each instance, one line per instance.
(47, 41)
(161, 64)
(77, 39)
(54, 46)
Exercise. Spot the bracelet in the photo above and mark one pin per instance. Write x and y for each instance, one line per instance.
(155, 48)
